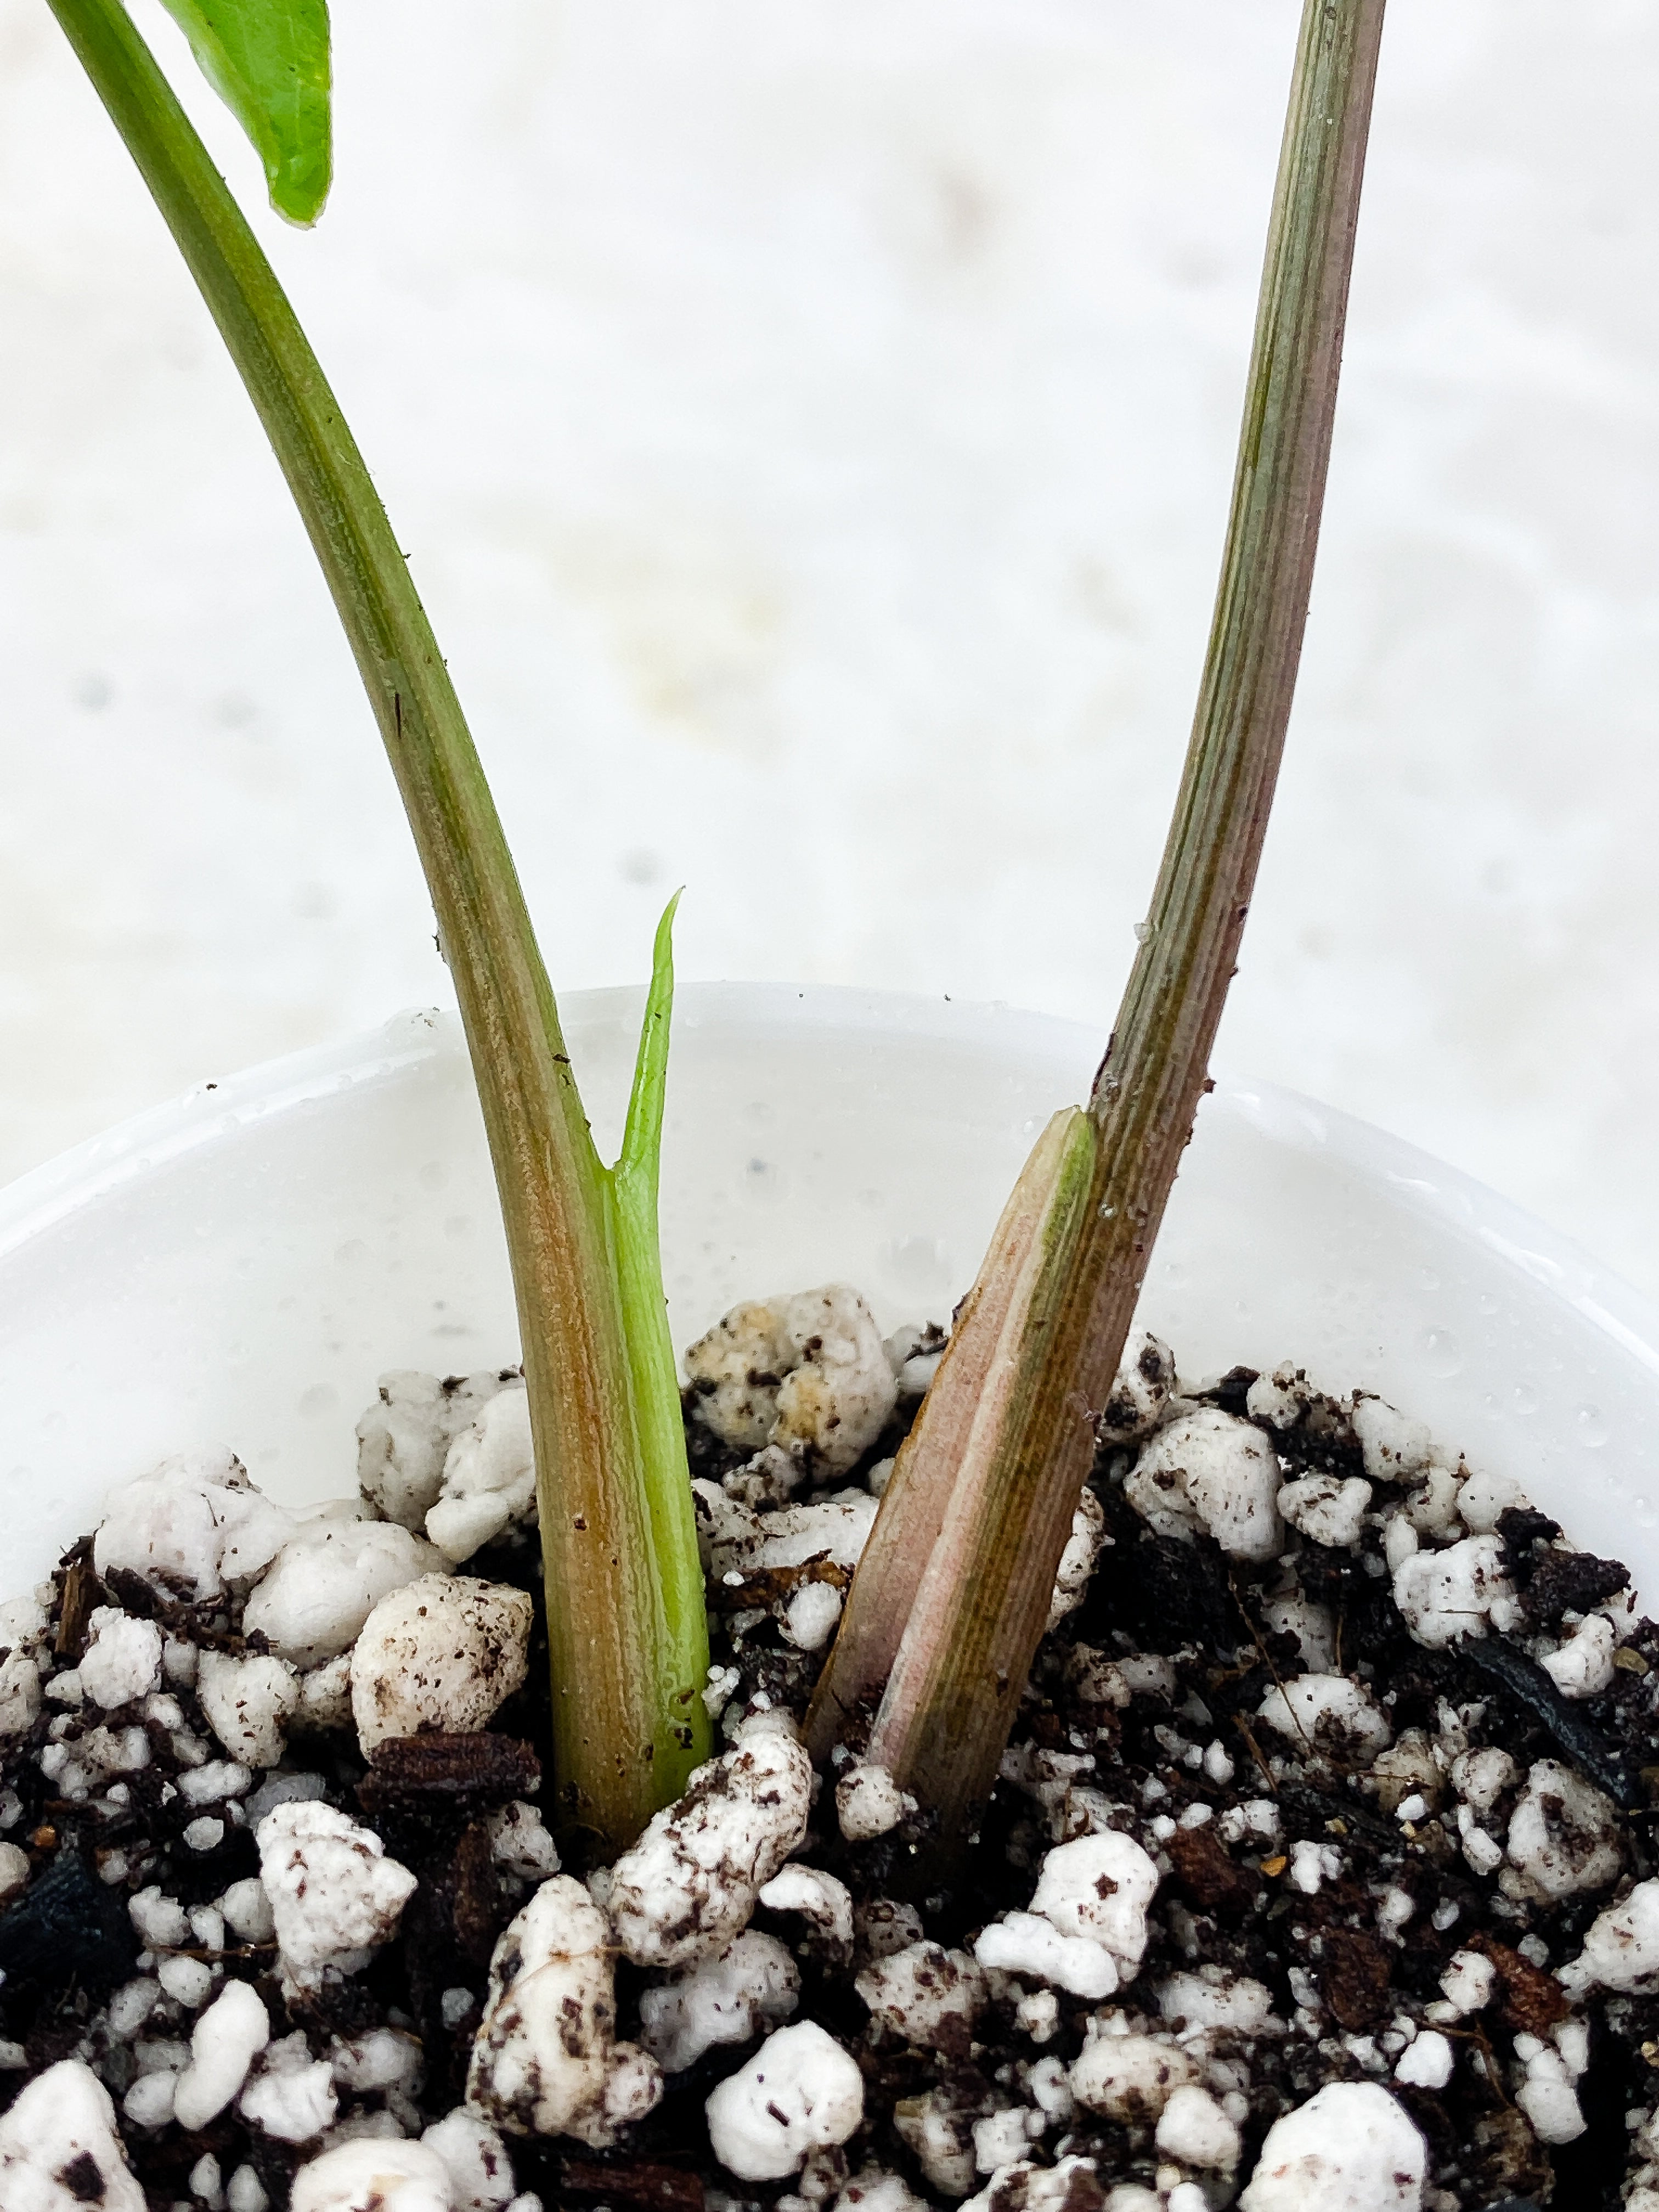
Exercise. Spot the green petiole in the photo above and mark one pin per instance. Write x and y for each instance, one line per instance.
(625, 1628)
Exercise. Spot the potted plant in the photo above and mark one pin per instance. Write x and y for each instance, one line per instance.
(955, 1596)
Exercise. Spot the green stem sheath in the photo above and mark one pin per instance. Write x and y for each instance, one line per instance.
(607, 1620)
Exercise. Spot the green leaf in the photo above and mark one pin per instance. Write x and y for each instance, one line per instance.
(268, 61)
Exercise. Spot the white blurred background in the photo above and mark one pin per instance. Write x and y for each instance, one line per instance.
(812, 423)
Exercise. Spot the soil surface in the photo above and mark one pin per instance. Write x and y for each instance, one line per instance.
(1338, 1877)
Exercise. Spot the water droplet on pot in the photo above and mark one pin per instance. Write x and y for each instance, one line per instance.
(919, 1264)
(351, 1252)
(1590, 1428)
(763, 1182)
(1442, 1353)
(1523, 1398)
(321, 1398)
(457, 1226)
(1488, 1302)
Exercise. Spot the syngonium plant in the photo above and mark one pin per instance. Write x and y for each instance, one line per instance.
(949, 1602)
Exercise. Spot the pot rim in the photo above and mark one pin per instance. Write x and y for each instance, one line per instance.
(1414, 1180)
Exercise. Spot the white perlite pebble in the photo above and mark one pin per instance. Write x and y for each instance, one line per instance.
(1146, 1379)
(1481, 1777)
(1456, 1592)
(161, 1921)
(122, 1660)
(1313, 1864)
(289, 2095)
(1563, 1835)
(1313, 1625)
(188, 1982)
(20, 1695)
(334, 1896)
(519, 1842)
(1621, 1951)
(1582, 1668)
(1117, 1682)
(149, 2102)
(385, 2058)
(130, 2007)
(327, 1579)
(917, 1992)
(811, 1616)
(325, 1697)
(1193, 2129)
(872, 2190)
(373, 2175)
(211, 1784)
(1408, 1770)
(1352, 2147)
(1469, 1982)
(1485, 1498)
(1401, 1540)
(1025, 1944)
(689, 1884)
(1211, 1998)
(1099, 1887)
(1000, 2140)
(1330, 1713)
(1084, 1546)
(753, 1985)
(489, 1479)
(1548, 2097)
(822, 1899)
(476, 2159)
(248, 1910)
(835, 1529)
(15, 1871)
(870, 1804)
(884, 1926)
(1426, 2064)
(1025, 2187)
(404, 1439)
(1210, 1470)
(442, 1652)
(1326, 1510)
(736, 1371)
(800, 2092)
(1396, 1449)
(1129, 2078)
(808, 1373)
(546, 2061)
(245, 2192)
(63, 2116)
(247, 1702)
(191, 1527)
(222, 2046)
(938, 2131)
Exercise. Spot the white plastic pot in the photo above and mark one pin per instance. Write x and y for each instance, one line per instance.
(241, 1266)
